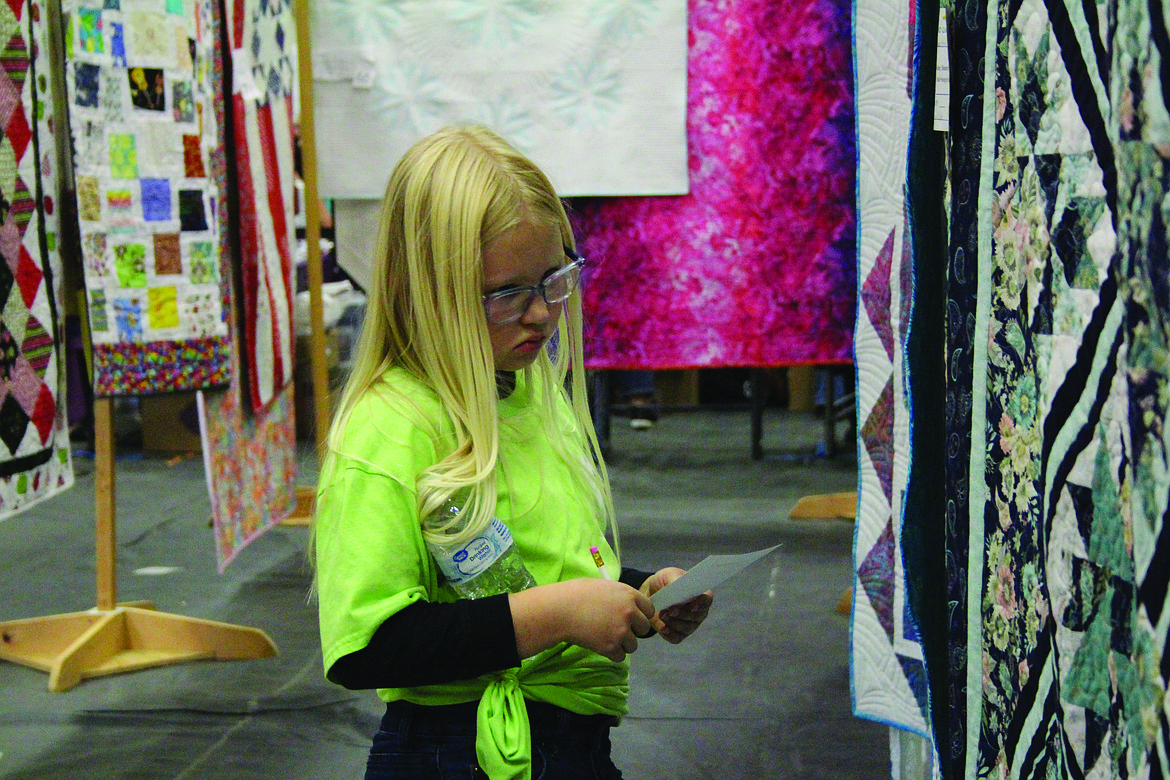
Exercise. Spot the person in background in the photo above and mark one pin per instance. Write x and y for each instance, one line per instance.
(459, 389)
(635, 389)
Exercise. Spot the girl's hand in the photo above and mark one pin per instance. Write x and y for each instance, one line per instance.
(599, 615)
(680, 621)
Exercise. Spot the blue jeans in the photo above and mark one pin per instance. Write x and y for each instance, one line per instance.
(418, 742)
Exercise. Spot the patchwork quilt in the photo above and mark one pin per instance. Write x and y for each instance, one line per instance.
(140, 81)
(756, 266)
(263, 72)
(1057, 390)
(889, 681)
(35, 458)
(251, 466)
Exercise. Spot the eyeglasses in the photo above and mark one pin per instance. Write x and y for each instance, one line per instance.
(509, 305)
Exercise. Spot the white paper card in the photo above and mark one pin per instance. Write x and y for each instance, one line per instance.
(706, 575)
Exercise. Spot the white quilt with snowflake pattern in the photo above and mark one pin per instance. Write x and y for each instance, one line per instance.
(594, 91)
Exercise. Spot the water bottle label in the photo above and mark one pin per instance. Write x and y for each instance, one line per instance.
(461, 564)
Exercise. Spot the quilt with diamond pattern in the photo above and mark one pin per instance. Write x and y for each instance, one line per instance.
(889, 681)
(35, 461)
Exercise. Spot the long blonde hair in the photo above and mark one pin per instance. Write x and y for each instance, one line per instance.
(449, 196)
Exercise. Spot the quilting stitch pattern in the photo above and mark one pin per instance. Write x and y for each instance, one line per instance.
(592, 90)
(888, 672)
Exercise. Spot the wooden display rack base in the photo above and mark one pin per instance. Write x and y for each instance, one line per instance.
(306, 503)
(75, 646)
(829, 506)
(119, 637)
(826, 506)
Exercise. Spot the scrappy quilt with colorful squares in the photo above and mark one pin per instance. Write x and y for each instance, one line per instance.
(34, 438)
(251, 465)
(140, 78)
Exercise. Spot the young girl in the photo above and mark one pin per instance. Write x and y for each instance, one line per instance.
(458, 391)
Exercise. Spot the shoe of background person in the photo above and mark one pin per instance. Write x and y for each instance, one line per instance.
(643, 413)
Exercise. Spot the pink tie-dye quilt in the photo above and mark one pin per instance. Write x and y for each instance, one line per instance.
(756, 265)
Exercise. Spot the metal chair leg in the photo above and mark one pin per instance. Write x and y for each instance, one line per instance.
(755, 379)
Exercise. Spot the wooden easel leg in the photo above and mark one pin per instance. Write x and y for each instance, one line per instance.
(306, 504)
(115, 638)
(96, 646)
(37, 642)
(826, 506)
(160, 632)
(845, 603)
(79, 645)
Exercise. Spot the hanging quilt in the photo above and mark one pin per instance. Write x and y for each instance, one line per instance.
(35, 461)
(926, 519)
(757, 265)
(1059, 574)
(249, 456)
(251, 465)
(1141, 122)
(262, 75)
(593, 90)
(888, 673)
(140, 108)
(967, 46)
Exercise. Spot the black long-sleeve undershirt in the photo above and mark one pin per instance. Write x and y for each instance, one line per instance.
(429, 643)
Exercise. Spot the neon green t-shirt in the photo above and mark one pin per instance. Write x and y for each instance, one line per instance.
(372, 561)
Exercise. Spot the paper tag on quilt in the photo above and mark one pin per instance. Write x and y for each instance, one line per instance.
(243, 83)
(942, 77)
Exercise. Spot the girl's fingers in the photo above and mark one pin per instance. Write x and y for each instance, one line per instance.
(681, 621)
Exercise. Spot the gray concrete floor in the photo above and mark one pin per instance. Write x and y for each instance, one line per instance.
(762, 691)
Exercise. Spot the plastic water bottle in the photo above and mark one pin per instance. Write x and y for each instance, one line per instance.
(485, 565)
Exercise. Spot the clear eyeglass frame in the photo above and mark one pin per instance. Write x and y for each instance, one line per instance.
(510, 305)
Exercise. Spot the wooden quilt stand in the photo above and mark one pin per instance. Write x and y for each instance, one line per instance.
(306, 496)
(114, 638)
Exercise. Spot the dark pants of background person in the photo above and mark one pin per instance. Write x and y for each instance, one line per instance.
(633, 383)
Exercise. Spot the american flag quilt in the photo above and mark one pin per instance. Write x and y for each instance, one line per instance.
(756, 266)
(260, 35)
